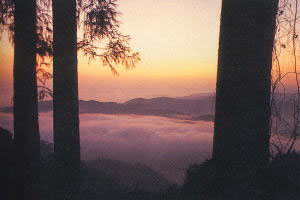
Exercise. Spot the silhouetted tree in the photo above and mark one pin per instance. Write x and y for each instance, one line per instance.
(242, 119)
(26, 127)
(6, 16)
(28, 31)
(5, 160)
(43, 41)
(65, 97)
(99, 23)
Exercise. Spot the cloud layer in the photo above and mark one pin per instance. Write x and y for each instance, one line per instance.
(166, 145)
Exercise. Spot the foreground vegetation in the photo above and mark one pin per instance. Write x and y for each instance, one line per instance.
(278, 180)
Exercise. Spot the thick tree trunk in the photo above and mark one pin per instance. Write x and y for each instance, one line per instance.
(26, 128)
(242, 119)
(65, 97)
(6, 156)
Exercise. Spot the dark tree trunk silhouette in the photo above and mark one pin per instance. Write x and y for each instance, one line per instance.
(65, 98)
(6, 156)
(26, 128)
(242, 119)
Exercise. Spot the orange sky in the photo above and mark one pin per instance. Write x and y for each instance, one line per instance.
(177, 40)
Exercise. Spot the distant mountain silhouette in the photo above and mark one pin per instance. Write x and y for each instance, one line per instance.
(196, 96)
(189, 107)
(205, 117)
(184, 106)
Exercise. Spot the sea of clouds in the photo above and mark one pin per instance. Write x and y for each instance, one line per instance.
(164, 144)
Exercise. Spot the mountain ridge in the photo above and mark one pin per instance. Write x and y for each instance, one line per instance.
(182, 108)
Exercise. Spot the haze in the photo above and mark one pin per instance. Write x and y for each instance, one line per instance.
(175, 60)
(166, 145)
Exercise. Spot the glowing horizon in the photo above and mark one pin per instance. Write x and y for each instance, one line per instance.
(178, 43)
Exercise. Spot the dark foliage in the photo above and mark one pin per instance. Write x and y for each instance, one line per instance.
(95, 183)
(101, 26)
(101, 40)
(199, 180)
(278, 180)
(43, 23)
(6, 16)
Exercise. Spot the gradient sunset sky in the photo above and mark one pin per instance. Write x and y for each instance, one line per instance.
(178, 44)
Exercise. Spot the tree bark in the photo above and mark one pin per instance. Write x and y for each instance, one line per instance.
(26, 127)
(242, 118)
(65, 98)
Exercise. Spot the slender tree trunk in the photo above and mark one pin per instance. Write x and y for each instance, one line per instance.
(65, 97)
(242, 119)
(26, 128)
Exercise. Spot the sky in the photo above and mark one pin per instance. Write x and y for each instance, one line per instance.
(178, 44)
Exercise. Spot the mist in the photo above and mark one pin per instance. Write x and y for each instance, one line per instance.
(166, 145)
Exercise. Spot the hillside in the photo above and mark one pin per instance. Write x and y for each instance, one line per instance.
(128, 177)
(190, 107)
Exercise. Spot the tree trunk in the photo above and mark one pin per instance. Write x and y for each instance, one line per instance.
(6, 156)
(26, 128)
(65, 97)
(242, 119)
